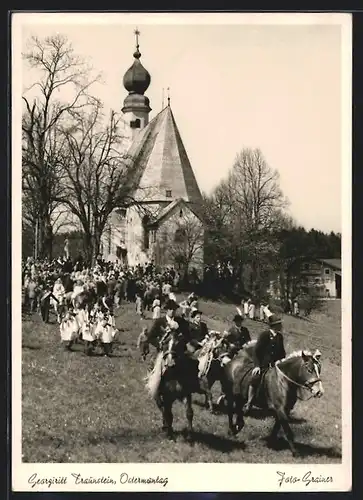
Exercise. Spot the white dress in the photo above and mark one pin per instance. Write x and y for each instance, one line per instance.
(77, 290)
(69, 329)
(58, 291)
(156, 312)
(104, 333)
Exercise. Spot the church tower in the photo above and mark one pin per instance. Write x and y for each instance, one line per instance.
(136, 81)
(165, 217)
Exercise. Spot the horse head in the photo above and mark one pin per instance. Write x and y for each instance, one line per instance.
(172, 344)
(305, 371)
(312, 366)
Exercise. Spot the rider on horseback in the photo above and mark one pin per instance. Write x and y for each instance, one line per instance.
(269, 349)
(198, 331)
(237, 336)
(160, 325)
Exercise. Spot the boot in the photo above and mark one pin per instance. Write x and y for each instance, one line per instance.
(251, 395)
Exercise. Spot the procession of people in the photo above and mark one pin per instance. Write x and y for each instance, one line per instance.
(85, 298)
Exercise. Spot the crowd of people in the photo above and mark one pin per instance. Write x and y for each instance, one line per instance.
(84, 299)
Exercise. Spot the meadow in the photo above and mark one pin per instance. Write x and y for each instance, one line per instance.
(95, 409)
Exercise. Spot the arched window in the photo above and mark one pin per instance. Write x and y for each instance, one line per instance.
(180, 235)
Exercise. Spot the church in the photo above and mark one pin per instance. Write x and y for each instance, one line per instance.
(164, 221)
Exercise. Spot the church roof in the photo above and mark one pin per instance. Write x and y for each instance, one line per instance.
(169, 208)
(161, 168)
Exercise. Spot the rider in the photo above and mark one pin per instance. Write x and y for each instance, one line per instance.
(237, 336)
(198, 331)
(269, 349)
(160, 325)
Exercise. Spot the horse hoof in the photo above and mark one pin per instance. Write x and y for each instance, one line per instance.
(233, 432)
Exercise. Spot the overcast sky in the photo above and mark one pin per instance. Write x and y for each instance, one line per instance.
(276, 87)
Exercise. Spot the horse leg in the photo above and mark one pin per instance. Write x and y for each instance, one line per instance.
(239, 412)
(232, 431)
(189, 414)
(168, 419)
(288, 432)
(205, 386)
(273, 435)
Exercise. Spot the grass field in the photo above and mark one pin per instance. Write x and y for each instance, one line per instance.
(81, 409)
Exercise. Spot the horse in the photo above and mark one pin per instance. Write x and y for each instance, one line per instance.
(174, 377)
(85, 300)
(280, 387)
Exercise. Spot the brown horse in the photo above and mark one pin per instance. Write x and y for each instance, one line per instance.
(279, 388)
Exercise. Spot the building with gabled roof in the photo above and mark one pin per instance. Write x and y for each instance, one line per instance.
(166, 200)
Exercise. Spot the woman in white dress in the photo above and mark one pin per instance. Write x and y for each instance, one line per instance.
(69, 329)
(59, 293)
(156, 309)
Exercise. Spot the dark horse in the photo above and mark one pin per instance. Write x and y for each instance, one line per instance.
(279, 388)
(174, 377)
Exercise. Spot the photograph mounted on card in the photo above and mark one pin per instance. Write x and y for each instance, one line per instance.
(180, 311)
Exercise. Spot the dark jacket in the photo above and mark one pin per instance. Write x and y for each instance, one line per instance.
(157, 330)
(238, 336)
(268, 349)
(197, 333)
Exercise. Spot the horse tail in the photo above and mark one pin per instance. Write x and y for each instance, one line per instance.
(154, 378)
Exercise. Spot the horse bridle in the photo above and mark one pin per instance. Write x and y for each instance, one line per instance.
(308, 384)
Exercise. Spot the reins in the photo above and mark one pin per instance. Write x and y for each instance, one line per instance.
(297, 383)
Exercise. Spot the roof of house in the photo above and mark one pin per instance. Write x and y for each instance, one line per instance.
(335, 263)
(160, 163)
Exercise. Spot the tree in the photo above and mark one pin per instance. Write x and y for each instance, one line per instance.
(97, 179)
(59, 72)
(254, 206)
(185, 242)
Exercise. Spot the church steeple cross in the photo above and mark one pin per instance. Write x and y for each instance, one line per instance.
(137, 34)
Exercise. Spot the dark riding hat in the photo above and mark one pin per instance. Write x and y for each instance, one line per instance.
(237, 318)
(171, 305)
(195, 312)
(274, 320)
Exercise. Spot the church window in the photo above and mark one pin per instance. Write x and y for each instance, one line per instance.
(135, 123)
(181, 213)
(179, 235)
(168, 193)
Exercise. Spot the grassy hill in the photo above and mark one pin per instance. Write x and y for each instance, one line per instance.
(81, 409)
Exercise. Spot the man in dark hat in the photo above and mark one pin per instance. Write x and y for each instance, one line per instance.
(158, 328)
(269, 349)
(198, 330)
(237, 336)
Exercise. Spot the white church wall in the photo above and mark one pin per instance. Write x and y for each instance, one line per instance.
(166, 248)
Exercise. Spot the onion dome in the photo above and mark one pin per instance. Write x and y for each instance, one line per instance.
(137, 79)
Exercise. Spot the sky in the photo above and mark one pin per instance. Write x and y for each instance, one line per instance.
(232, 86)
